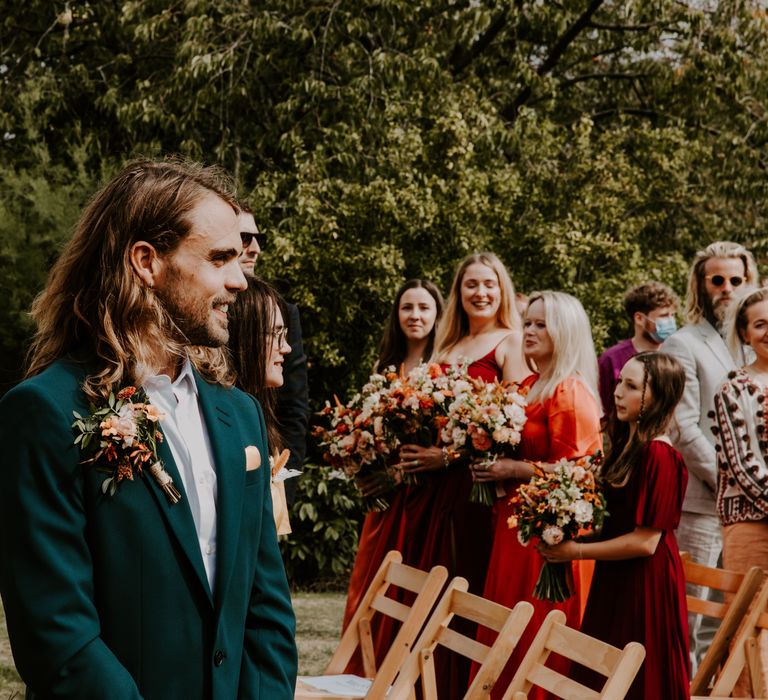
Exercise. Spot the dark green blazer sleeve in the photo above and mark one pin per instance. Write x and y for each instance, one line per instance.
(46, 577)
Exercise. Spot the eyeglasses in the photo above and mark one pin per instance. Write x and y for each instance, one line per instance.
(719, 280)
(247, 236)
(279, 334)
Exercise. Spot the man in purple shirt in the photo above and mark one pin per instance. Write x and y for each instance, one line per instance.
(651, 310)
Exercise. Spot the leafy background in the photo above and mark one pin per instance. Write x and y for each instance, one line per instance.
(592, 144)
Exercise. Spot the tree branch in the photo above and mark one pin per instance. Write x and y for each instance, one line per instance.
(460, 59)
(510, 111)
(600, 76)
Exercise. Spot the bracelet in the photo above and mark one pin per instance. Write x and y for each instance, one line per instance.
(446, 457)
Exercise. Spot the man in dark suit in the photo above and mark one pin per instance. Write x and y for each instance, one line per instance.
(292, 408)
(163, 582)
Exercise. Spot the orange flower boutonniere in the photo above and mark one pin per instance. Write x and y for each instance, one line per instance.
(120, 439)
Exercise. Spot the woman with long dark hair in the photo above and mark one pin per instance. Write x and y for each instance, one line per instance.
(638, 589)
(408, 339)
(257, 345)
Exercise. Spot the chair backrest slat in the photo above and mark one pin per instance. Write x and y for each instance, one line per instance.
(587, 651)
(461, 644)
(554, 682)
(390, 608)
(406, 577)
(483, 612)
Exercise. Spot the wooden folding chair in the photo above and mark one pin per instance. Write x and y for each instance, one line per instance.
(744, 588)
(457, 602)
(619, 666)
(391, 574)
(744, 651)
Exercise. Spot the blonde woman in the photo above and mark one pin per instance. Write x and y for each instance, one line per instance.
(563, 422)
(481, 326)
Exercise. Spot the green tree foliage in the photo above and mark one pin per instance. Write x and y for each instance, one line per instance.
(592, 144)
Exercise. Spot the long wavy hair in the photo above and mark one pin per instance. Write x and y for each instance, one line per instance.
(94, 304)
(573, 349)
(455, 325)
(393, 347)
(252, 321)
(663, 386)
(696, 294)
(736, 321)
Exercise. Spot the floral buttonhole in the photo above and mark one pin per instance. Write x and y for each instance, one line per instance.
(120, 438)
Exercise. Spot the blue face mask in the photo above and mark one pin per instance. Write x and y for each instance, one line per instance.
(665, 327)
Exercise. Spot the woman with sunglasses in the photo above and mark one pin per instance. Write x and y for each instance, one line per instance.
(258, 345)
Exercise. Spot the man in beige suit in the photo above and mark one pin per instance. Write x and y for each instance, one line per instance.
(720, 273)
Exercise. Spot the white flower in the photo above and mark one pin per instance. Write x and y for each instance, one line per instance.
(552, 535)
(438, 396)
(521, 539)
(582, 512)
(579, 473)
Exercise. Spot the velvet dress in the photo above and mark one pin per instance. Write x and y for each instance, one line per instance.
(643, 599)
(565, 425)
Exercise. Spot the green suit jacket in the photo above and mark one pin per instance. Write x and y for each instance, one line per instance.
(106, 596)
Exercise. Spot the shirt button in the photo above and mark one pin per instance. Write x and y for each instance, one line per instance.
(210, 549)
(218, 657)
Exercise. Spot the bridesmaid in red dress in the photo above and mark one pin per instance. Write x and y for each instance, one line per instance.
(638, 590)
(563, 421)
(408, 340)
(481, 325)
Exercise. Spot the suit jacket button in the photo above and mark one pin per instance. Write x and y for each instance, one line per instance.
(218, 657)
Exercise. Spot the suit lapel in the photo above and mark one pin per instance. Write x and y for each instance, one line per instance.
(716, 344)
(179, 516)
(229, 461)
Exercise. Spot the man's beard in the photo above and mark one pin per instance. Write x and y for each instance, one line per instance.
(715, 315)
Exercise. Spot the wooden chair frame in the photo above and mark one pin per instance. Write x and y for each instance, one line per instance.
(456, 601)
(391, 573)
(619, 666)
(744, 588)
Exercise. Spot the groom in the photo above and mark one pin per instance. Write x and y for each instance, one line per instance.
(142, 570)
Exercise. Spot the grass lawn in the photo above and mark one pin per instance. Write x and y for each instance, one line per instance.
(318, 625)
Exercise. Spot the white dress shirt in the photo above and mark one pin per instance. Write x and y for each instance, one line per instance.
(187, 437)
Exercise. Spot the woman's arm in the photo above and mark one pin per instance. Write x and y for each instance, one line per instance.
(509, 356)
(641, 542)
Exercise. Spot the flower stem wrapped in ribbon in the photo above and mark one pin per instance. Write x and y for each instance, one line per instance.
(554, 506)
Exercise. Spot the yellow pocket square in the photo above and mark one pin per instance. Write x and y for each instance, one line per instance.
(252, 458)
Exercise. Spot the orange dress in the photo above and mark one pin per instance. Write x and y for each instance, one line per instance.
(566, 425)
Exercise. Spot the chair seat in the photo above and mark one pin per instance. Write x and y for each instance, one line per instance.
(332, 687)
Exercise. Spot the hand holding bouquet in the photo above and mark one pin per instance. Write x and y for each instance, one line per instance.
(487, 419)
(556, 506)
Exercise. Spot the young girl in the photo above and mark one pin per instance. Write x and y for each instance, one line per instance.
(638, 589)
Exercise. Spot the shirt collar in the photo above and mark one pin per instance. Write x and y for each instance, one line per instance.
(185, 380)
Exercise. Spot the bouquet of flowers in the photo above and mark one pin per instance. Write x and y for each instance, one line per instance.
(392, 409)
(357, 440)
(487, 419)
(555, 506)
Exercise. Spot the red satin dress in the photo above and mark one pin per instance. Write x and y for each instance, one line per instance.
(566, 425)
(431, 522)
